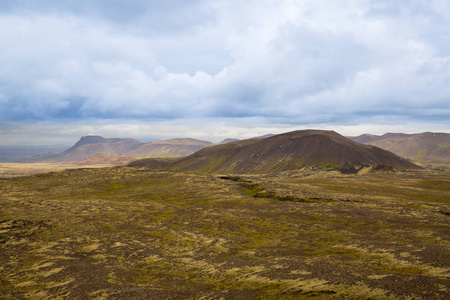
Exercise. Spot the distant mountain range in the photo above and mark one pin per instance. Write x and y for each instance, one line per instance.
(420, 147)
(99, 150)
(89, 146)
(288, 151)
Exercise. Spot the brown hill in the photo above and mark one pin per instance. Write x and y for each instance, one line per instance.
(288, 151)
(169, 148)
(427, 146)
(90, 145)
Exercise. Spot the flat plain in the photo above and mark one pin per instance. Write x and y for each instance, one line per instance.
(134, 233)
(11, 170)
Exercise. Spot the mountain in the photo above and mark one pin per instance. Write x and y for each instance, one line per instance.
(229, 140)
(288, 151)
(365, 138)
(169, 148)
(426, 146)
(109, 148)
(88, 146)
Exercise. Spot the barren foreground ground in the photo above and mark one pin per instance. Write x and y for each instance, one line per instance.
(128, 233)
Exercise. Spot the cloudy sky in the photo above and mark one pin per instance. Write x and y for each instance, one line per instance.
(212, 69)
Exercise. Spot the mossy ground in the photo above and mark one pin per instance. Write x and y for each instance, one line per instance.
(132, 233)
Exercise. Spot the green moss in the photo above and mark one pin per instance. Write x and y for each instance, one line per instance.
(213, 164)
(421, 153)
(174, 232)
(435, 184)
(256, 191)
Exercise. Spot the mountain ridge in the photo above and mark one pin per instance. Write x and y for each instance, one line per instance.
(425, 146)
(282, 152)
(89, 146)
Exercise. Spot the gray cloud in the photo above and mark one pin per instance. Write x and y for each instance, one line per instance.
(284, 62)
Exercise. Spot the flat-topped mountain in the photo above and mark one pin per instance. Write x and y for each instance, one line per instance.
(288, 151)
(89, 146)
(427, 146)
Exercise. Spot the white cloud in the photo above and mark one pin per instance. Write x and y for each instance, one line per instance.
(298, 63)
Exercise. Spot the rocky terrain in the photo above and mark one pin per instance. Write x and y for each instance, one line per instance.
(134, 233)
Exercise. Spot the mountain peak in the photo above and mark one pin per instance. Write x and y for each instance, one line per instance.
(80, 150)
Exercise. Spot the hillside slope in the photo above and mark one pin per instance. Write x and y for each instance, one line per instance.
(288, 151)
(169, 148)
(427, 146)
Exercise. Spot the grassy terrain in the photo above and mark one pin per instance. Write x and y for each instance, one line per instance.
(11, 170)
(133, 233)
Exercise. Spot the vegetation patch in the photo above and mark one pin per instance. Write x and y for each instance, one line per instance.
(255, 190)
(134, 233)
(436, 184)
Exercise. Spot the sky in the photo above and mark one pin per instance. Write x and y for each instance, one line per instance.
(215, 69)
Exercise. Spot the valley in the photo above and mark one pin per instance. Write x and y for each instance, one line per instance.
(133, 233)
